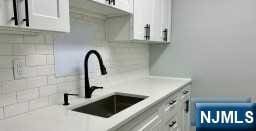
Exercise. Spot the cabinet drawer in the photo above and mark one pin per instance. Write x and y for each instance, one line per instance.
(141, 120)
(186, 91)
(169, 107)
(172, 124)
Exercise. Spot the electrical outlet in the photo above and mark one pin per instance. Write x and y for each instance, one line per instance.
(19, 69)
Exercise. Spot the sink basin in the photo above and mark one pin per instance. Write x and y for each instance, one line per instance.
(111, 105)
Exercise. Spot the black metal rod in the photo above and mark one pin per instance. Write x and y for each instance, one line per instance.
(165, 33)
(149, 31)
(26, 13)
(15, 13)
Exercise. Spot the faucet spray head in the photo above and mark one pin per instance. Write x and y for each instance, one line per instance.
(103, 70)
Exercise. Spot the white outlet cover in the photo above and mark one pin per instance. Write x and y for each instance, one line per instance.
(19, 69)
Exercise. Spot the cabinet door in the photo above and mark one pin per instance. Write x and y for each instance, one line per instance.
(184, 114)
(124, 5)
(50, 15)
(101, 1)
(153, 125)
(143, 12)
(156, 23)
(7, 13)
(172, 125)
(166, 20)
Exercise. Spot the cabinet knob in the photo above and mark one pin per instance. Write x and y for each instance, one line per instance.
(172, 102)
(172, 124)
(185, 92)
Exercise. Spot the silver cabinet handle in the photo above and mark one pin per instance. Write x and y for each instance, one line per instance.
(172, 102)
(172, 124)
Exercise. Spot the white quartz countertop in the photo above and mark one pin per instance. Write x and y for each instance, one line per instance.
(61, 118)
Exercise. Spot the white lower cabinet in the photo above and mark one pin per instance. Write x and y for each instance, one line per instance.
(172, 125)
(171, 114)
(154, 124)
(185, 113)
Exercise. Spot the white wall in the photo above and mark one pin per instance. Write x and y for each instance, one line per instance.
(41, 87)
(215, 44)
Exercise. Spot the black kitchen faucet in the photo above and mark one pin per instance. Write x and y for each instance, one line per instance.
(89, 89)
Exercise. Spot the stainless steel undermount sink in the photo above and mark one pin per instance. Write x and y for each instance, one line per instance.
(111, 105)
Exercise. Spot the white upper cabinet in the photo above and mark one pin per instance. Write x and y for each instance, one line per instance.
(101, 1)
(166, 20)
(150, 22)
(51, 15)
(125, 5)
(107, 8)
(156, 21)
(9, 15)
(142, 18)
(161, 29)
(6, 12)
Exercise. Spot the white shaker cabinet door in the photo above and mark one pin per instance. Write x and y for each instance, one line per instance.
(7, 13)
(166, 20)
(52, 15)
(153, 125)
(100, 1)
(125, 5)
(156, 24)
(143, 14)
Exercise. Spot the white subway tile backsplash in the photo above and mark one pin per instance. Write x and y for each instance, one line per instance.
(37, 82)
(34, 39)
(24, 49)
(38, 103)
(52, 80)
(26, 95)
(44, 49)
(6, 61)
(31, 72)
(1, 113)
(6, 49)
(41, 87)
(1, 87)
(45, 70)
(15, 109)
(6, 74)
(4, 38)
(56, 98)
(50, 59)
(46, 91)
(14, 85)
(8, 99)
(34, 60)
(68, 86)
(15, 38)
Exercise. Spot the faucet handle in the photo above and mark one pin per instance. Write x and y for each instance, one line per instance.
(93, 88)
(96, 87)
